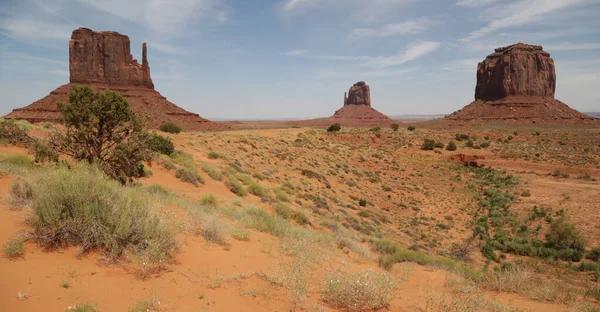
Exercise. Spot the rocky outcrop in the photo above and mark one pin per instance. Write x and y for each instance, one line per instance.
(517, 83)
(103, 61)
(359, 94)
(516, 70)
(105, 57)
(357, 110)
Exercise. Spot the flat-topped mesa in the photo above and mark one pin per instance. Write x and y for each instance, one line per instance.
(105, 57)
(359, 94)
(516, 70)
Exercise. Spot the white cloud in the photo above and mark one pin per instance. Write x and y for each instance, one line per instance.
(519, 13)
(296, 52)
(165, 48)
(411, 26)
(474, 3)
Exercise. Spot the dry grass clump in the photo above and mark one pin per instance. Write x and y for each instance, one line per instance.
(515, 279)
(212, 229)
(360, 291)
(13, 249)
(82, 206)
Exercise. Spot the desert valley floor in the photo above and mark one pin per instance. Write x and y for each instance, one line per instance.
(278, 215)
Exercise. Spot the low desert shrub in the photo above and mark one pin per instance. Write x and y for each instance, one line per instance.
(214, 174)
(360, 291)
(451, 146)
(14, 248)
(189, 175)
(563, 235)
(283, 211)
(334, 128)
(300, 217)
(82, 206)
(170, 127)
(160, 144)
(395, 127)
(212, 229)
(428, 145)
(209, 200)
(215, 155)
(236, 187)
(256, 189)
(411, 128)
(594, 254)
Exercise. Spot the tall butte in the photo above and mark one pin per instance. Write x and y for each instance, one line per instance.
(357, 108)
(103, 61)
(516, 84)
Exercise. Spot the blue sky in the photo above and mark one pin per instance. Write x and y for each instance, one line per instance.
(248, 59)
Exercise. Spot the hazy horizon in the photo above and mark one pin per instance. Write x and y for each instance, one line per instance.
(293, 59)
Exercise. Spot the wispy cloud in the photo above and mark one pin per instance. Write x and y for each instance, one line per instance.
(296, 52)
(411, 26)
(163, 16)
(349, 75)
(572, 46)
(30, 29)
(166, 48)
(358, 9)
(519, 13)
(412, 52)
(474, 3)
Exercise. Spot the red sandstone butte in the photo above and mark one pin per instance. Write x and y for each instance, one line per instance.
(103, 60)
(516, 84)
(357, 110)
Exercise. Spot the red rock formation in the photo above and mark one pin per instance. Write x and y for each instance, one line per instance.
(359, 94)
(105, 57)
(517, 83)
(357, 110)
(103, 61)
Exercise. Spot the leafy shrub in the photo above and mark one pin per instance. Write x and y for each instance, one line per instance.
(362, 202)
(428, 145)
(81, 206)
(170, 127)
(594, 254)
(470, 144)
(451, 146)
(395, 126)
(385, 246)
(13, 133)
(484, 145)
(160, 144)
(411, 128)
(462, 137)
(43, 152)
(360, 291)
(101, 127)
(563, 235)
(439, 145)
(334, 128)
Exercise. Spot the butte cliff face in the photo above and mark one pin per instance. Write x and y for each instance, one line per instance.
(105, 57)
(103, 60)
(357, 110)
(517, 83)
(359, 94)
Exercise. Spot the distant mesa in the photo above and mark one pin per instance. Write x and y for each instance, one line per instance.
(517, 83)
(103, 61)
(357, 108)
